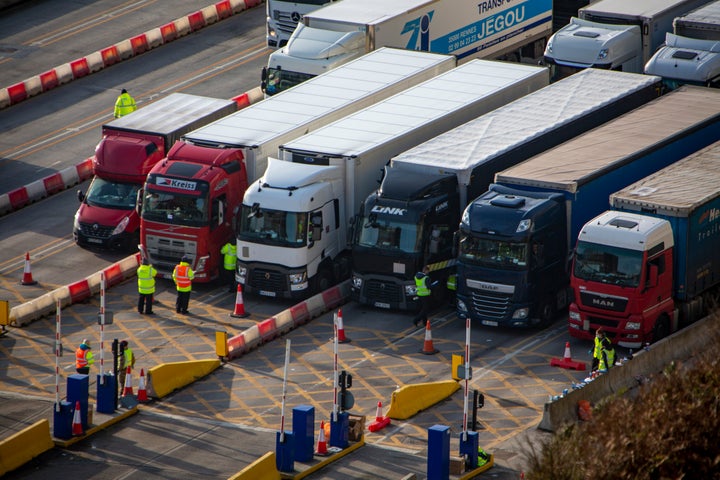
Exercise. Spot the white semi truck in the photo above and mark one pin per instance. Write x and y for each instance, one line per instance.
(614, 35)
(296, 222)
(337, 33)
(282, 16)
(691, 54)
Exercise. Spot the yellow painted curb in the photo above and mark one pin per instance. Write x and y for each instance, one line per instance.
(21, 447)
(168, 377)
(264, 468)
(408, 400)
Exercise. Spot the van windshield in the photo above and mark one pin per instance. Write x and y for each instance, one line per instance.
(107, 194)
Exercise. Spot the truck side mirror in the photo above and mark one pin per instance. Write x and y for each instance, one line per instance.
(456, 240)
(653, 276)
(263, 79)
(139, 201)
(80, 196)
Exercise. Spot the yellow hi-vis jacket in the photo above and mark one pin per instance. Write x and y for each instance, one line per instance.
(229, 251)
(124, 104)
(421, 285)
(146, 279)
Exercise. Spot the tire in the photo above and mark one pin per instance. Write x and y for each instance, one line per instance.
(546, 313)
(323, 281)
(661, 329)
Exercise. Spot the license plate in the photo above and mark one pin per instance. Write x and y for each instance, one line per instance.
(95, 240)
(267, 294)
(489, 323)
(382, 305)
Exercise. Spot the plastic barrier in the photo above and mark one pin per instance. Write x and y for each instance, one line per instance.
(408, 400)
(21, 447)
(261, 469)
(168, 377)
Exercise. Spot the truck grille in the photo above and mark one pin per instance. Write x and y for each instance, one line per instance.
(490, 305)
(95, 230)
(268, 280)
(383, 291)
(165, 253)
(285, 23)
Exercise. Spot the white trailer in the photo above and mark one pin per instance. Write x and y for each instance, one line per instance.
(467, 29)
(691, 54)
(259, 129)
(614, 35)
(296, 219)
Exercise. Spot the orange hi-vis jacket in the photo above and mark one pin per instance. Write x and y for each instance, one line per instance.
(81, 358)
(183, 276)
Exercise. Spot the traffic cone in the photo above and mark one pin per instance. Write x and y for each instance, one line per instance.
(428, 348)
(567, 361)
(77, 428)
(380, 421)
(27, 274)
(128, 390)
(341, 330)
(322, 443)
(239, 311)
(142, 391)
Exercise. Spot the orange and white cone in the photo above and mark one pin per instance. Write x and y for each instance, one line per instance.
(128, 390)
(239, 311)
(27, 274)
(77, 428)
(341, 329)
(567, 361)
(142, 390)
(322, 443)
(380, 421)
(428, 348)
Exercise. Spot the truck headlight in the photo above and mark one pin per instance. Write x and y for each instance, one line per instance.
(520, 313)
(410, 290)
(76, 223)
(574, 316)
(461, 306)
(356, 282)
(241, 274)
(200, 266)
(602, 54)
(632, 325)
(297, 278)
(121, 226)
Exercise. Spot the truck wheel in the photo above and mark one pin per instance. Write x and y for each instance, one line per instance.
(323, 281)
(546, 313)
(662, 328)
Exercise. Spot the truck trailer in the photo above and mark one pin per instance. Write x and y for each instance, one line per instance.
(293, 247)
(516, 240)
(651, 265)
(691, 54)
(344, 30)
(242, 143)
(614, 35)
(432, 183)
(129, 148)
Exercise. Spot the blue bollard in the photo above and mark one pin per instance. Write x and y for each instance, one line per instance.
(285, 452)
(106, 393)
(469, 449)
(438, 459)
(303, 422)
(78, 389)
(340, 430)
(62, 420)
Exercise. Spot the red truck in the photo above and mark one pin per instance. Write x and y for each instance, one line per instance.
(130, 147)
(190, 201)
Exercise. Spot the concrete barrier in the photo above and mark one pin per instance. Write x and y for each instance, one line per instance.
(679, 346)
(264, 468)
(46, 304)
(21, 447)
(288, 319)
(408, 400)
(168, 377)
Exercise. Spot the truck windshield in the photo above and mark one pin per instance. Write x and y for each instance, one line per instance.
(107, 194)
(603, 263)
(493, 253)
(273, 227)
(175, 208)
(280, 80)
(389, 235)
